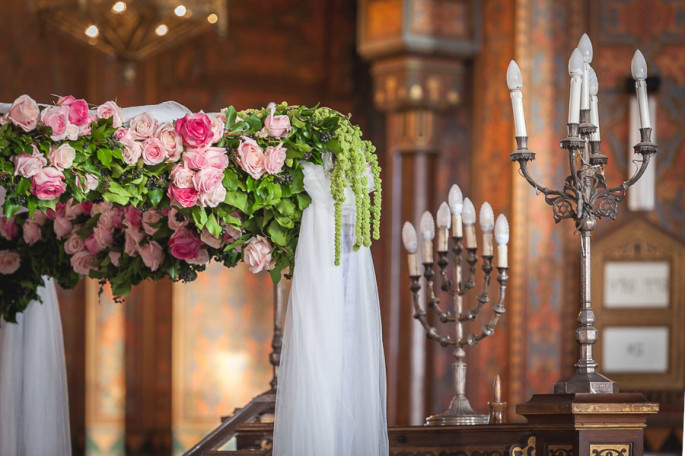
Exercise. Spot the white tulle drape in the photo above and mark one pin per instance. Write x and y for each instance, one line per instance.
(331, 397)
(34, 406)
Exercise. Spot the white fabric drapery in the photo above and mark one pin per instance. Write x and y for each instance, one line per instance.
(331, 397)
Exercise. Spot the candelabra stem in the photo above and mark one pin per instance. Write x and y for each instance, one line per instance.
(460, 410)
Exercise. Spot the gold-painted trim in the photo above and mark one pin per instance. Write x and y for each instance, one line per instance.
(588, 409)
(614, 449)
(526, 449)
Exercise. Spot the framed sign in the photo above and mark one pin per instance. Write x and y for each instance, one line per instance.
(639, 301)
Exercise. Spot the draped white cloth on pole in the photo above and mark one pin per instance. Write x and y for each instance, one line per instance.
(34, 404)
(331, 397)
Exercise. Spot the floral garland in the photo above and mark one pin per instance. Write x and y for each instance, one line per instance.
(126, 201)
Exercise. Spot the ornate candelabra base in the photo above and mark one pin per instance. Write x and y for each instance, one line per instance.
(460, 410)
(590, 382)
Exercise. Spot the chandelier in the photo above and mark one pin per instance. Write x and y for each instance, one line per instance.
(133, 29)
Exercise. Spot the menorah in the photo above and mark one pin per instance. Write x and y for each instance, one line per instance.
(585, 196)
(462, 211)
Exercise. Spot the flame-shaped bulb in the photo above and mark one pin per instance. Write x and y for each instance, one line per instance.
(514, 79)
(444, 217)
(638, 67)
(427, 226)
(585, 47)
(455, 199)
(594, 83)
(576, 63)
(469, 214)
(487, 218)
(501, 230)
(409, 238)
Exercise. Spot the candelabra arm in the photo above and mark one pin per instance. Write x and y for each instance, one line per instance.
(471, 259)
(523, 165)
(483, 297)
(433, 301)
(420, 314)
(498, 310)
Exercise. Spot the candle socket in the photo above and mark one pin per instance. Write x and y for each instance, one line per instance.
(498, 412)
(413, 264)
(488, 245)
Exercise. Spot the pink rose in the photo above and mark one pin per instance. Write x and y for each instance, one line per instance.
(108, 110)
(176, 220)
(57, 118)
(212, 198)
(257, 254)
(8, 229)
(217, 123)
(201, 258)
(24, 113)
(87, 183)
(123, 134)
(171, 141)
(186, 197)
(26, 165)
(85, 128)
(196, 130)
(114, 257)
(87, 206)
(39, 217)
(216, 157)
(143, 125)
(185, 244)
(92, 245)
(65, 100)
(62, 157)
(151, 217)
(72, 210)
(195, 159)
(153, 152)
(62, 227)
(78, 112)
(48, 183)
(74, 244)
(251, 157)
(103, 237)
(231, 233)
(277, 126)
(207, 179)
(207, 238)
(131, 151)
(73, 132)
(133, 238)
(82, 262)
(102, 208)
(9, 262)
(152, 255)
(32, 232)
(134, 217)
(182, 176)
(274, 158)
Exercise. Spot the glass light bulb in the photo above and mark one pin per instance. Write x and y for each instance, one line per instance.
(576, 63)
(427, 226)
(514, 79)
(585, 46)
(594, 83)
(469, 215)
(455, 199)
(501, 230)
(92, 31)
(161, 30)
(180, 10)
(409, 237)
(212, 18)
(487, 218)
(119, 7)
(638, 66)
(444, 216)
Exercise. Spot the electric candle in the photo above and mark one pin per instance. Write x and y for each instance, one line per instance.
(638, 68)
(487, 224)
(456, 202)
(444, 221)
(428, 233)
(497, 384)
(515, 83)
(470, 224)
(502, 237)
(575, 70)
(585, 47)
(410, 244)
(594, 104)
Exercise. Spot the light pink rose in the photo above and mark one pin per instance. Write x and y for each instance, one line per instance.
(131, 151)
(133, 238)
(218, 123)
(176, 220)
(277, 126)
(57, 118)
(87, 183)
(185, 244)
(257, 254)
(207, 238)
(195, 159)
(82, 262)
(111, 109)
(26, 165)
(153, 152)
(216, 157)
(86, 127)
(62, 157)
(207, 179)
(274, 159)
(103, 237)
(72, 210)
(231, 233)
(74, 244)
(143, 125)
(196, 130)
(201, 258)
(105, 219)
(171, 141)
(151, 217)
(186, 197)
(31, 233)
(62, 227)
(92, 245)
(101, 208)
(182, 176)
(24, 113)
(114, 257)
(48, 183)
(8, 228)
(9, 262)
(122, 133)
(39, 217)
(65, 100)
(212, 198)
(251, 157)
(73, 132)
(152, 255)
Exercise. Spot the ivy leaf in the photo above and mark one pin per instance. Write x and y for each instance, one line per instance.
(156, 196)
(238, 200)
(199, 217)
(277, 234)
(254, 123)
(115, 198)
(212, 226)
(303, 201)
(117, 189)
(24, 186)
(105, 157)
(231, 115)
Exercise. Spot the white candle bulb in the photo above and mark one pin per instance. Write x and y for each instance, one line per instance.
(409, 238)
(428, 233)
(594, 104)
(470, 223)
(515, 83)
(456, 202)
(585, 48)
(575, 70)
(444, 219)
(502, 237)
(638, 68)
(594, 82)
(487, 218)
